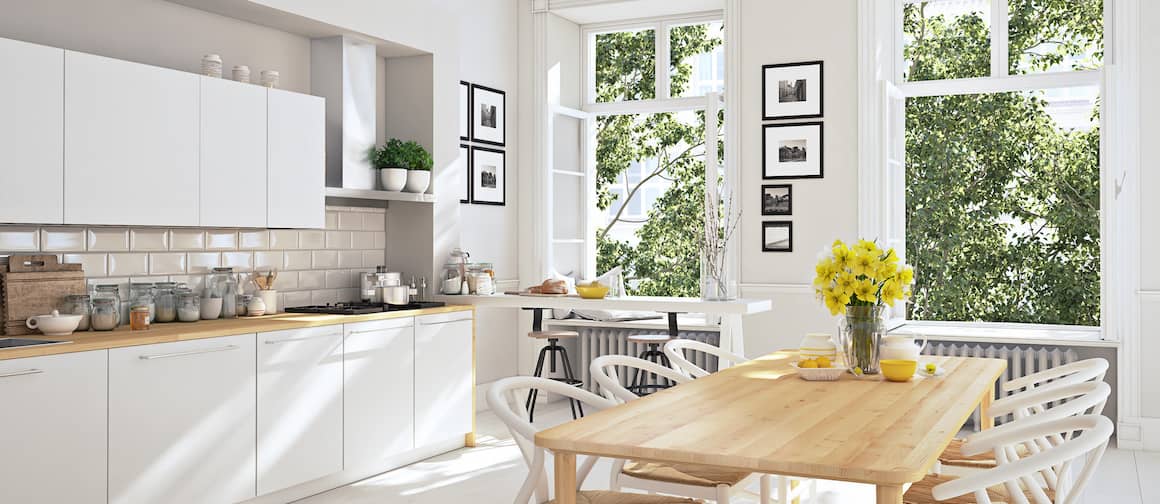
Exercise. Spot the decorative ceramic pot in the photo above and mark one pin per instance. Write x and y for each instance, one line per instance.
(861, 332)
(393, 179)
(417, 181)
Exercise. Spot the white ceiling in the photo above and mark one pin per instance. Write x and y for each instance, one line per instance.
(601, 11)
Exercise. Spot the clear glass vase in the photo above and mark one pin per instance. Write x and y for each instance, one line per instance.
(718, 288)
(860, 332)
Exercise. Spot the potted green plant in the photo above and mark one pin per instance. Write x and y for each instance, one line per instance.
(389, 159)
(418, 162)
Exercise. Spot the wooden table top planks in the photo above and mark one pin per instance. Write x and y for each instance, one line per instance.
(760, 416)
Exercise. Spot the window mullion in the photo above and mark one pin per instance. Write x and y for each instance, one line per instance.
(662, 61)
(1000, 38)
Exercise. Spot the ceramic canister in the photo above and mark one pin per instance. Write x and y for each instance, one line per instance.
(816, 345)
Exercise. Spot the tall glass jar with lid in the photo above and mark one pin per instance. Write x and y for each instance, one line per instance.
(78, 304)
(222, 284)
(165, 299)
(141, 295)
(106, 294)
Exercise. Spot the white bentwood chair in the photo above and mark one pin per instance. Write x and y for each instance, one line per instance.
(504, 402)
(675, 351)
(690, 480)
(1018, 405)
(1020, 480)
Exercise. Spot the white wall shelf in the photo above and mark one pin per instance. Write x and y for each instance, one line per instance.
(367, 194)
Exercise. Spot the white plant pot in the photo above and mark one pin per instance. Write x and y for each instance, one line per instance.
(393, 179)
(418, 180)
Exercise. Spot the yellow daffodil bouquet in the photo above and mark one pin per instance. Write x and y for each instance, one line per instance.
(862, 275)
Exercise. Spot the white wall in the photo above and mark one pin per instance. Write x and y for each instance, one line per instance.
(823, 209)
(158, 33)
(1149, 228)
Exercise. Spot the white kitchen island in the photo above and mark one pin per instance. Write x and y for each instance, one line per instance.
(732, 312)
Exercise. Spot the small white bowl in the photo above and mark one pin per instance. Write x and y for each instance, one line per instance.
(819, 374)
(54, 324)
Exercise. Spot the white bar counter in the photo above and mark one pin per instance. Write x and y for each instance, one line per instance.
(731, 311)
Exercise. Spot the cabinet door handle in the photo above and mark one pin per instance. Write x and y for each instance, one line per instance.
(21, 373)
(444, 322)
(190, 352)
(380, 330)
(306, 338)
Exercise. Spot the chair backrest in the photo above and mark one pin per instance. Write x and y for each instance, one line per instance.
(675, 351)
(502, 398)
(1019, 476)
(603, 370)
(1075, 372)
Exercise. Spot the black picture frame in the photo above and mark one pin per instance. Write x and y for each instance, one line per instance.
(501, 117)
(475, 199)
(465, 151)
(766, 226)
(765, 70)
(821, 148)
(465, 113)
(789, 195)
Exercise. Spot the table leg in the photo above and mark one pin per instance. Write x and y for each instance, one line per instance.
(986, 420)
(566, 478)
(732, 337)
(889, 494)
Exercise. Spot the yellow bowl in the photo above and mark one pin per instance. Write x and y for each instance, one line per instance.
(898, 370)
(592, 291)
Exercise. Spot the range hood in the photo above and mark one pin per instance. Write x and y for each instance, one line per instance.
(342, 70)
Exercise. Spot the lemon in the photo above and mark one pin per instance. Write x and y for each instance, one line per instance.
(858, 371)
(823, 362)
(931, 368)
(808, 364)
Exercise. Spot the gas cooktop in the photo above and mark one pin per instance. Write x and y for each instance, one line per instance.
(361, 308)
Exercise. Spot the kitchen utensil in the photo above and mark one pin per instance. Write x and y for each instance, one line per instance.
(897, 370)
(396, 294)
(819, 374)
(34, 285)
(900, 347)
(211, 308)
(590, 291)
(54, 324)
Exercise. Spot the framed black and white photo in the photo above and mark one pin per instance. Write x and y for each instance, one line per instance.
(464, 109)
(465, 162)
(777, 199)
(791, 151)
(489, 110)
(488, 176)
(791, 90)
(777, 236)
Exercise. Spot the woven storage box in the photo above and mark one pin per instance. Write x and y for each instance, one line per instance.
(35, 285)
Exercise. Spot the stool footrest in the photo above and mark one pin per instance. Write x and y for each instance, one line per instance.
(569, 381)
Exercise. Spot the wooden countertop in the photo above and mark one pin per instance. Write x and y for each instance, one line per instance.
(179, 331)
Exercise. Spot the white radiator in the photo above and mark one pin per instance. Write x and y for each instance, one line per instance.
(1021, 360)
(600, 341)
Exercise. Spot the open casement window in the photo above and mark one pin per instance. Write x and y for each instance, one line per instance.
(988, 170)
(630, 168)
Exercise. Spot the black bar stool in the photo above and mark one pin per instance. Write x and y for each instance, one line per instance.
(569, 378)
(640, 382)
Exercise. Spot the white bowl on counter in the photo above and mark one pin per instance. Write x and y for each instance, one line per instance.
(54, 324)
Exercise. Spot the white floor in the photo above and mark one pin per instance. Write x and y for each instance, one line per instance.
(493, 471)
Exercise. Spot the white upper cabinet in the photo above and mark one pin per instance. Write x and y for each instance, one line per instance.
(299, 406)
(31, 133)
(378, 392)
(181, 422)
(131, 143)
(296, 160)
(443, 377)
(233, 153)
(52, 428)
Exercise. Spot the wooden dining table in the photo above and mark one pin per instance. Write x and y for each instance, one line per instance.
(760, 416)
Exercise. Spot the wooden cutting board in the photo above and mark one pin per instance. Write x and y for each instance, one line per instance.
(35, 285)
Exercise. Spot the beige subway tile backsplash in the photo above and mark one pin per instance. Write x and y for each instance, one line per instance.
(315, 266)
(56, 239)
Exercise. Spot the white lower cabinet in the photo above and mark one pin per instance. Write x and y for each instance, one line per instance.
(52, 428)
(378, 391)
(181, 419)
(299, 406)
(443, 377)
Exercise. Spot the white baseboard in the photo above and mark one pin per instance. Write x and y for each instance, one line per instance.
(1150, 434)
(1129, 435)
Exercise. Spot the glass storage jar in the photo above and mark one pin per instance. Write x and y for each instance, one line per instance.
(452, 279)
(106, 314)
(222, 284)
(78, 304)
(165, 300)
(188, 306)
(107, 291)
(141, 295)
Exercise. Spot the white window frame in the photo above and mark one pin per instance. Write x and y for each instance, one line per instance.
(882, 100)
(662, 102)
